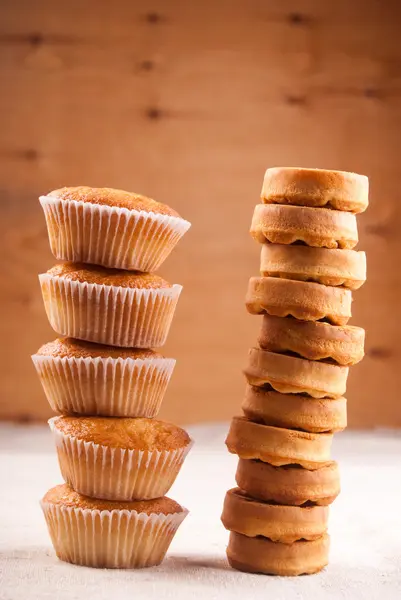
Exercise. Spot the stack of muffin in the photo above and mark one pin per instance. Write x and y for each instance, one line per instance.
(296, 377)
(118, 462)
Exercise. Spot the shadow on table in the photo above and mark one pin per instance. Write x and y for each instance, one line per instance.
(33, 554)
(195, 563)
(179, 564)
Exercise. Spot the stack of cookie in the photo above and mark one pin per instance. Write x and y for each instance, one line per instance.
(117, 460)
(296, 376)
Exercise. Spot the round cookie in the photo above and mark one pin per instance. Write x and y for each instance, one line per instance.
(261, 555)
(290, 484)
(333, 267)
(294, 411)
(339, 190)
(285, 524)
(293, 375)
(278, 446)
(313, 340)
(319, 227)
(303, 300)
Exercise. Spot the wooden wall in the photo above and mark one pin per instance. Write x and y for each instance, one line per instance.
(189, 102)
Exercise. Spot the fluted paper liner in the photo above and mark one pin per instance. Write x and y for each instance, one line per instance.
(117, 474)
(109, 235)
(106, 314)
(120, 539)
(122, 387)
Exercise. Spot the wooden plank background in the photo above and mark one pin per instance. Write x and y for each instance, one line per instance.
(189, 102)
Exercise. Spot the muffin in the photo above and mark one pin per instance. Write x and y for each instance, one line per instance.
(294, 411)
(91, 379)
(292, 375)
(318, 227)
(286, 524)
(313, 340)
(99, 533)
(278, 446)
(338, 190)
(334, 267)
(290, 484)
(119, 459)
(304, 300)
(111, 227)
(261, 555)
(109, 306)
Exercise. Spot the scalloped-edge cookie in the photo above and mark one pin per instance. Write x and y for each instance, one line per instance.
(278, 446)
(313, 340)
(286, 524)
(340, 190)
(320, 227)
(303, 300)
(261, 555)
(295, 411)
(289, 484)
(333, 267)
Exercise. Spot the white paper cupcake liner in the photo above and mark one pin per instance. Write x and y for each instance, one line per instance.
(116, 474)
(110, 236)
(120, 539)
(122, 387)
(116, 316)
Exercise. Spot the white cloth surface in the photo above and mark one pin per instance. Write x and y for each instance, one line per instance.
(365, 527)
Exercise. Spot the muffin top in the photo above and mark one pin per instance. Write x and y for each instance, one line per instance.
(112, 197)
(64, 495)
(69, 347)
(100, 275)
(132, 434)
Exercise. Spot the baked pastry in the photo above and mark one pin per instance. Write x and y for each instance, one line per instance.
(323, 265)
(293, 375)
(117, 458)
(320, 227)
(108, 306)
(99, 533)
(313, 339)
(111, 227)
(261, 555)
(300, 299)
(316, 187)
(286, 524)
(278, 446)
(289, 484)
(294, 411)
(91, 379)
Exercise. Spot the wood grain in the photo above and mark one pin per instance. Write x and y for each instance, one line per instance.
(189, 103)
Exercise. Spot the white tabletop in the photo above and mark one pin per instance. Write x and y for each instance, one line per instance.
(365, 526)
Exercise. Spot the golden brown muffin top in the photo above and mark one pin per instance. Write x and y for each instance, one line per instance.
(69, 347)
(132, 434)
(64, 495)
(103, 276)
(112, 197)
